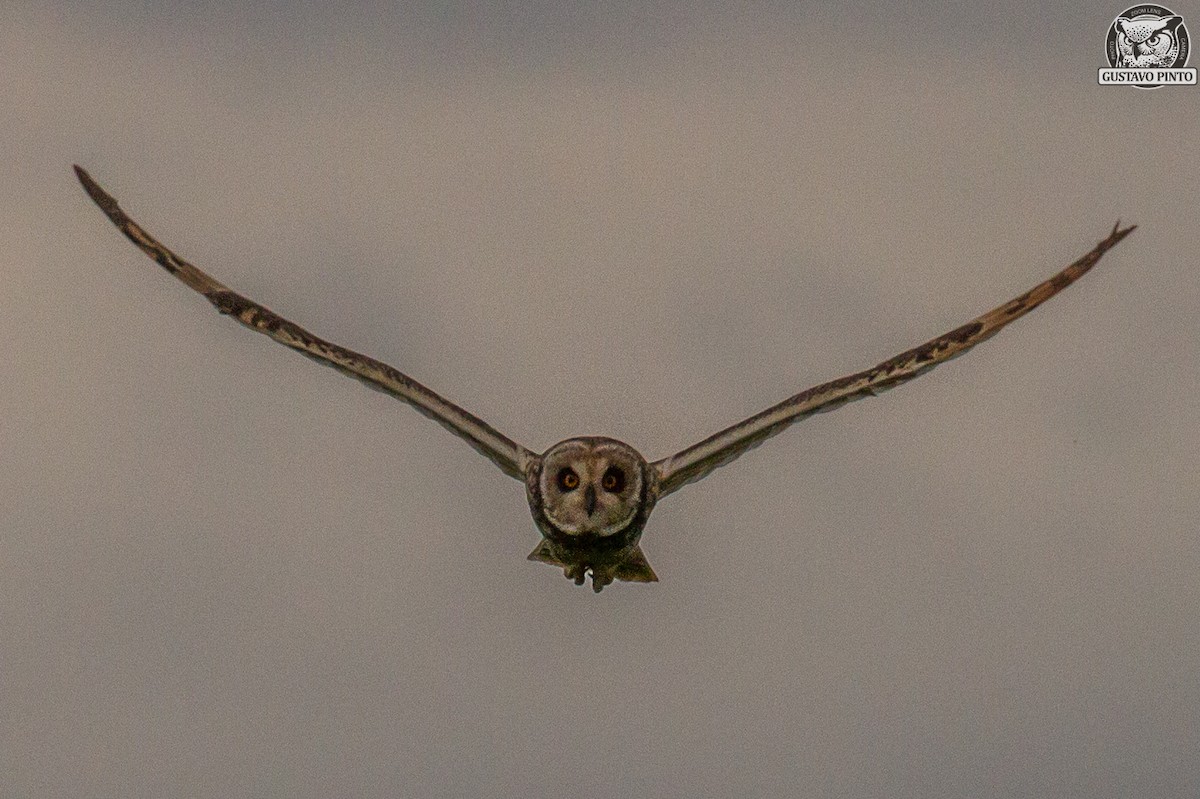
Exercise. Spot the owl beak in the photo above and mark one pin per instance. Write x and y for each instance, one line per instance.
(589, 500)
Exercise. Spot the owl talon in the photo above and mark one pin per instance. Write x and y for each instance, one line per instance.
(577, 573)
(599, 580)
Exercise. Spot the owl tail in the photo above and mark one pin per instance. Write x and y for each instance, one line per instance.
(629, 565)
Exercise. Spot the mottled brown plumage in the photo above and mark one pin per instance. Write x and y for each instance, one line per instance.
(511, 457)
(698, 460)
(591, 496)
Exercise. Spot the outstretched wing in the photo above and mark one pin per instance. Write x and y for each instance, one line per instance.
(698, 460)
(511, 457)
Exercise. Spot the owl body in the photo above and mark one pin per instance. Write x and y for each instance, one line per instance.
(1147, 42)
(590, 498)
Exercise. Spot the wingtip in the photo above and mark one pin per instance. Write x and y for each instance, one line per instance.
(1119, 233)
(106, 201)
(86, 179)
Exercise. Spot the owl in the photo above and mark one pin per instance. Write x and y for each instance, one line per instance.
(591, 496)
(1147, 42)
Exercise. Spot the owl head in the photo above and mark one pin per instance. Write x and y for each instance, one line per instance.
(590, 488)
(1148, 41)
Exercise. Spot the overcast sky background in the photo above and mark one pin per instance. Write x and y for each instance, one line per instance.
(227, 572)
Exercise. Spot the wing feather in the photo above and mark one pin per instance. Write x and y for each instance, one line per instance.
(511, 457)
(719, 449)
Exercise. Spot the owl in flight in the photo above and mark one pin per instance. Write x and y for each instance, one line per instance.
(591, 496)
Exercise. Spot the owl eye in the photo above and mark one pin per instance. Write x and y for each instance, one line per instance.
(613, 480)
(567, 479)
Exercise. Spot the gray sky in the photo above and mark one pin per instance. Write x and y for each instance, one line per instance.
(230, 573)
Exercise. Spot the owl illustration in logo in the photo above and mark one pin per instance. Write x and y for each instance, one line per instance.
(1147, 41)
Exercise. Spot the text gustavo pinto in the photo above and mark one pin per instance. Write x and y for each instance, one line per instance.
(1110, 77)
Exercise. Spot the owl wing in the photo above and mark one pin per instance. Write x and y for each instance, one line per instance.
(719, 449)
(511, 457)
